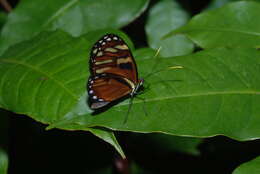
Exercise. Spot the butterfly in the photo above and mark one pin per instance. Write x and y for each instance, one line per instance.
(113, 73)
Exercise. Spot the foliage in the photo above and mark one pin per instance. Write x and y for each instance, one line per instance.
(44, 68)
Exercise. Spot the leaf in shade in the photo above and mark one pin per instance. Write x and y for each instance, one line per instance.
(252, 167)
(175, 143)
(3, 162)
(163, 17)
(3, 17)
(219, 3)
(75, 17)
(233, 25)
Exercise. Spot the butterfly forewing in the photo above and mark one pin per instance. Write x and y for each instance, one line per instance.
(111, 54)
(113, 71)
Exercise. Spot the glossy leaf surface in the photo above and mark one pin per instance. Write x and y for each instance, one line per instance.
(216, 91)
(75, 17)
(163, 18)
(233, 25)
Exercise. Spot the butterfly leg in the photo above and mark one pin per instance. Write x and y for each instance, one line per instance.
(144, 105)
(129, 109)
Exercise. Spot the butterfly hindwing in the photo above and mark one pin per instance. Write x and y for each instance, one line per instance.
(106, 88)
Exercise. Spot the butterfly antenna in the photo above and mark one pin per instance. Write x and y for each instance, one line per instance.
(165, 69)
(156, 64)
(157, 52)
(129, 109)
(154, 57)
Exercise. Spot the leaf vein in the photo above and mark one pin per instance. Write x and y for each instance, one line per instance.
(41, 72)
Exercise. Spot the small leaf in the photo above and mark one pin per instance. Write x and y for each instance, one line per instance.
(233, 25)
(175, 143)
(163, 18)
(219, 3)
(75, 17)
(104, 134)
(3, 162)
(252, 167)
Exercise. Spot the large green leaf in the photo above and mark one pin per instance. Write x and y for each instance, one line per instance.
(45, 77)
(3, 162)
(233, 25)
(215, 93)
(74, 16)
(163, 18)
(251, 167)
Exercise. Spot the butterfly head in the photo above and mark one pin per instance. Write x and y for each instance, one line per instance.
(138, 87)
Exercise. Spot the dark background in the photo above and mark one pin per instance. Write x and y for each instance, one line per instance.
(33, 150)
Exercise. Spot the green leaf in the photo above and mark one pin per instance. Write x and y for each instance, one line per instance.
(144, 53)
(233, 25)
(75, 16)
(105, 134)
(252, 167)
(45, 77)
(219, 3)
(163, 18)
(175, 143)
(3, 162)
(3, 17)
(216, 93)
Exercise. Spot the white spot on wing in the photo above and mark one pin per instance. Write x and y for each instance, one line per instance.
(115, 38)
(91, 92)
(94, 97)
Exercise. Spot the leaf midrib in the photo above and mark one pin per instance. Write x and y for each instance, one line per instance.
(197, 95)
(59, 83)
(59, 12)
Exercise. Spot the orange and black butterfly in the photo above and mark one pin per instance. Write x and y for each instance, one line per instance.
(113, 73)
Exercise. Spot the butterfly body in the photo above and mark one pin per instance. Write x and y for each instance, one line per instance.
(113, 72)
